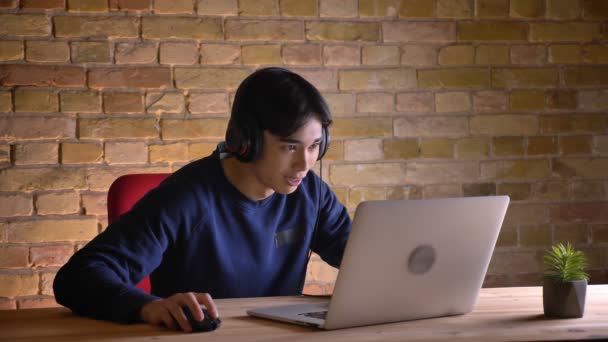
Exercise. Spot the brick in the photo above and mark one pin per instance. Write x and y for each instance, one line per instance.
(526, 9)
(479, 189)
(419, 102)
(57, 203)
(525, 100)
(130, 5)
(135, 53)
(266, 30)
(20, 284)
(507, 237)
(342, 31)
(565, 32)
(94, 203)
(41, 4)
(100, 179)
(367, 174)
(457, 55)
(472, 148)
(36, 302)
(530, 77)
(81, 153)
(415, 9)
(418, 55)
(535, 235)
(581, 123)
(340, 103)
(168, 153)
(261, 54)
(492, 54)
(441, 191)
(423, 32)
(404, 192)
(301, 54)
(528, 54)
(35, 153)
(489, 101)
(6, 4)
(563, 9)
(257, 7)
(37, 128)
(377, 79)
(400, 148)
(33, 100)
(452, 102)
(436, 148)
(11, 51)
(91, 52)
(575, 144)
(595, 9)
(364, 149)
(361, 127)
(426, 126)
(14, 257)
(175, 7)
(517, 191)
(193, 129)
(595, 54)
(24, 25)
(586, 190)
(579, 212)
(139, 77)
(508, 146)
(360, 194)
(217, 7)
(516, 262)
(301, 8)
(87, 5)
(324, 80)
(208, 103)
(339, 8)
(108, 128)
(202, 149)
(526, 214)
(541, 145)
(565, 54)
(442, 172)
(182, 28)
(549, 191)
(159, 103)
(40, 51)
(586, 76)
(46, 288)
(574, 233)
(504, 124)
(516, 169)
(600, 233)
(380, 55)
(335, 151)
(123, 103)
(41, 179)
(492, 31)
(178, 53)
(492, 8)
(561, 100)
(126, 153)
(341, 55)
(51, 230)
(96, 27)
(454, 9)
(41, 76)
(377, 8)
(220, 54)
(80, 101)
(600, 144)
(6, 103)
(454, 77)
(15, 205)
(209, 78)
(375, 103)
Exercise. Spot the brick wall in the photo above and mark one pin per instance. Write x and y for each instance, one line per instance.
(430, 98)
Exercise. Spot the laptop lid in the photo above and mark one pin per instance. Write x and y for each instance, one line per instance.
(411, 259)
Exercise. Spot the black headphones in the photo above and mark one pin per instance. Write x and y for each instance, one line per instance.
(245, 141)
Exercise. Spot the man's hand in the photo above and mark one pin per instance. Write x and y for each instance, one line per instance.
(163, 311)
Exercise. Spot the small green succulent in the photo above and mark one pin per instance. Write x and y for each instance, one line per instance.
(564, 263)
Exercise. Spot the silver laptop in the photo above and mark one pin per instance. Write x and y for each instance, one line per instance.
(406, 260)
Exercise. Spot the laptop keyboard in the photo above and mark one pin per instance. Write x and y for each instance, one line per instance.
(318, 314)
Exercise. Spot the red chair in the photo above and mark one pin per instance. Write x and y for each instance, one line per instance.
(124, 192)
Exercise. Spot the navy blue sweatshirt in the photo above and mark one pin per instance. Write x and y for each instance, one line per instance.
(197, 232)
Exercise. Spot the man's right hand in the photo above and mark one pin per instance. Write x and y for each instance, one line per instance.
(168, 311)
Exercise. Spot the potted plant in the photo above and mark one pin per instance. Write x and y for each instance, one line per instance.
(565, 282)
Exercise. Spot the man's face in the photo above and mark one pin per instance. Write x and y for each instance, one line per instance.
(284, 162)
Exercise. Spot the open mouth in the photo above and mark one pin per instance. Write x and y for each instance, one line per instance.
(293, 181)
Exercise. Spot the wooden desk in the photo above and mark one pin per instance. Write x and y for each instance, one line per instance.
(513, 314)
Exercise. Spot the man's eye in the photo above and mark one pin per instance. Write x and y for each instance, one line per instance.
(314, 146)
(290, 148)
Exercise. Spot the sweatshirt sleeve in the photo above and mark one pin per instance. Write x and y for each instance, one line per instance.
(99, 280)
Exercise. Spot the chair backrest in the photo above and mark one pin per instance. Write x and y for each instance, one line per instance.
(124, 192)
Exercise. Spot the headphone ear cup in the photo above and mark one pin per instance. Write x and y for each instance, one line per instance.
(324, 143)
(237, 143)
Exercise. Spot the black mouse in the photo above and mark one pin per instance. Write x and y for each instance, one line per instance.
(207, 324)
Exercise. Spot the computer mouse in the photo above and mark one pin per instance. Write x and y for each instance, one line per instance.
(207, 324)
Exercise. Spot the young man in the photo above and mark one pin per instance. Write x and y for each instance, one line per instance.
(238, 223)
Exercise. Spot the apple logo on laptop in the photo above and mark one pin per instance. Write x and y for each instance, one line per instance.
(421, 259)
